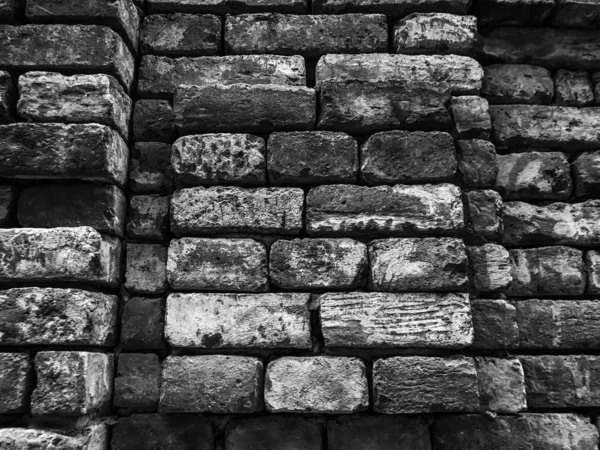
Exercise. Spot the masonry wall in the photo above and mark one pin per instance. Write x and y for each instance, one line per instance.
(272, 224)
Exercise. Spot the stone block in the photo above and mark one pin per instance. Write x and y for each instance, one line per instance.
(8, 202)
(153, 120)
(148, 217)
(501, 385)
(471, 117)
(8, 95)
(576, 14)
(15, 383)
(517, 83)
(150, 168)
(142, 323)
(137, 381)
(228, 6)
(8, 10)
(508, 12)
(586, 173)
(573, 88)
(391, 8)
(93, 437)
(592, 261)
(269, 433)
(494, 324)
(484, 213)
(146, 268)
(478, 163)
(490, 267)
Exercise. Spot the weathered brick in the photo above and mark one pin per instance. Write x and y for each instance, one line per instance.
(436, 33)
(148, 217)
(418, 384)
(142, 323)
(153, 120)
(534, 176)
(318, 264)
(211, 384)
(484, 213)
(73, 205)
(311, 158)
(237, 210)
(8, 10)
(396, 210)
(596, 85)
(555, 223)
(517, 83)
(501, 385)
(181, 35)
(71, 383)
(238, 265)
(490, 267)
(49, 316)
(89, 48)
(92, 437)
(478, 163)
(494, 324)
(150, 168)
(8, 95)
(573, 88)
(405, 157)
(550, 271)
(14, 383)
(317, 384)
(509, 12)
(160, 76)
(417, 264)
(137, 381)
(576, 14)
(58, 254)
(8, 200)
(269, 433)
(55, 151)
(471, 117)
(374, 319)
(209, 159)
(276, 320)
(592, 261)
(228, 6)
(586, 172)
(146, 271)
(391, 8)
(52, 97)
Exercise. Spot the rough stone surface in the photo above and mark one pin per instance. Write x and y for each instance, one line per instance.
(271, 432)
(217, 265)
(146, 268)
(404, 157)
(230, 209)
(93, 437)
(311, 158)
(71, 383)
(209, 159)
(494, 324)
(490, 267)
(418, 384)
(586, 173)
(150, 168)
(573, 88)
(576, 14)
(211, 384)
(153, 120)
(484, 213)
(142, 323)
(397, 210)
(509, 12)
(148, 217)
(471, 117)
(318, 264)
(548, 271)
(517, 83)
(52, 97)
(417, 264)
(275, 320)
(478, 163)
(74, 205)
(14, 383)
(228, 6)
(56, 151)
(8, 201)
(8, 95)
(51, 316)
(137, 381)
(391, 8)
(373, 319)
(592, 260)
(317, 384)
(501, 385)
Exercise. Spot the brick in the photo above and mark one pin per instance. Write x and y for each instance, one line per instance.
(181, 35)
(71, 383)
(318, 264)
(489, 267)
(137, 381)
(92, 437)
(52, 316)
(310, 158)
(228, 6)
(155, 431)
(391, 8)
(317, 384)
(8, 95)
(508, 12)
(56, 151)
(244, 108)
(417, 264)
(8, 202)
(160, 76)
(89, 48)
(59, 254)
(494, 324)
(378, 319)
(211, 384)
(73, 205)
(14, 383)
(517, 83)
(142, 323)
(52, 97)
(586, 174)
(366, 107)
(596, 85)
(150, 168)
(436, 33)
(576, 14)
(146, 271)
(534, 176)
(148, 217)
(484, 213)
(8, 10)
(268, 433)
(405, 157)
(237, 210)
(210, 159)
(548, 271)
(592, 260)
(501, 385)
(238, 265)
(555, 223)
(478, 163)
(378, 433)
(153, 120)
(531, 431)
(274, 320)
(471, 117)
(573, 88)
(419, 384)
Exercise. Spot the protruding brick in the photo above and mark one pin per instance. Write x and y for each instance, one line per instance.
(478, 163)
(517, 83)
(405, 157)
(316, 384)
(377, 319)
(576, 14)
(508, 12)
(318, 264)
(137, 381)
(93, 437)
(586, 171)
(73, 205)
(153, 120)
(146, 268)
(238, 265)
(311, 158)
(471, 117)
(14, 383)
(237, 210)
(490, 267)
(268, 433)
(277, 320)
(8, 201)
(211, 384)
(484, 213)
(418, 384)
(8, 95)
(142, 323)
(209, 159)
(573, 88)
(494, 324)
(71, 383)
(391, 8)
(150, 170)
(148, 217)
(228, 6)
(396, 210)
(501, 385)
